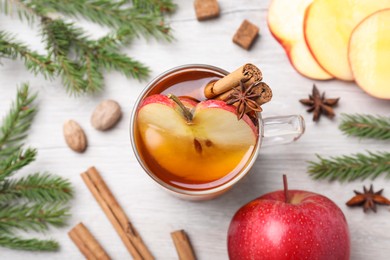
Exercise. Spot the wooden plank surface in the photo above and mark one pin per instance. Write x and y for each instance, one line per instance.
(155, 213)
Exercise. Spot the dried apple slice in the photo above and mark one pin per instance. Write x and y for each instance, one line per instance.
(328, 26)
(369, 54)
(285, 21)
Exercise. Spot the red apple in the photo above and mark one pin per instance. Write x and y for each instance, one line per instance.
(292, 224)
(204, 137)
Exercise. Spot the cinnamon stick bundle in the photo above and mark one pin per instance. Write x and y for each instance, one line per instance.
(129, 235)
(248, 73)
(183, 245)
(87, 244)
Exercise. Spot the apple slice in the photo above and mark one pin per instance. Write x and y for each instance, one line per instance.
(285, 21)
(328, 26)
(206, 148)
(369, 54)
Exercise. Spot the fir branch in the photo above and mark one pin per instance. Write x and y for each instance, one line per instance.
(351, 167)
(160, 6)
(33, 61)
(37, 188)
(18, 120)
(35, 217)
(112, 14)
(32, 244)
(16, 161)
(366, 126)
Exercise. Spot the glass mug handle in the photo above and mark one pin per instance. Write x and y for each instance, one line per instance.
(282, 129)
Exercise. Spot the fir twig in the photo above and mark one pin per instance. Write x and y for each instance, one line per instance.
(35, 201)
(18, 120)
(79, 60)
(351, 167)
(16, 161)
(35, 217)
(32, 244)
(366, 126)
(37, 188)
(36, 63)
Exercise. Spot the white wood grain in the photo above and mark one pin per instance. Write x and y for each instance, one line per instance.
(156, 213)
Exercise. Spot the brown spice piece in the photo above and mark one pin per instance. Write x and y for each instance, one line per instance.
(74, 136)
(247, 73)
(246, 34)
(319, 104)
(206, 9)
(86, 243)
(183, 245)
(368, 199)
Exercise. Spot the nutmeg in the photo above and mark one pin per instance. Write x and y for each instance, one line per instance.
(106, 115)
(74, 136)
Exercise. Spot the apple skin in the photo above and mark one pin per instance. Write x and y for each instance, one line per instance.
(310, 227)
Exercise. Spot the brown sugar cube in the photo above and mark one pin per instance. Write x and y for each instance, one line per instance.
(206, 9)
(246, 34)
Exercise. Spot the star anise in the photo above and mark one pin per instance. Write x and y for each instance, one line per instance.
(319, 104)
(368, 199)
(245, 99)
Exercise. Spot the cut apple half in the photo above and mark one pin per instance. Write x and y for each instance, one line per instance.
(205, 148)
(285, 21)
(369, 54)
(328, 26)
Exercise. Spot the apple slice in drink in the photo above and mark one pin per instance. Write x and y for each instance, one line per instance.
(204, 148)
(369, 54)
(285, 21)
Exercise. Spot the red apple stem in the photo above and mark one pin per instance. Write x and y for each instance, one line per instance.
(285, 185)
(187, 114)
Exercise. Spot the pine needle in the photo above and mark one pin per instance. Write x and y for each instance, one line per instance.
(36, 63)
(36, 217)
(72, 55)
(351, 167)
(16, 123)
(36, 187)
(36, 201)
(28, 244)
(366, 126)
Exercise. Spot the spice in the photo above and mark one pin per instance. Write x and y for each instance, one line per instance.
(206, 9)
(319, 104)
(368, 199)
(87, 244)
(183, 245)
(106, 115)
(245, 99)
(248, 73)
(74, 136)
(116, 215)
(246, 34)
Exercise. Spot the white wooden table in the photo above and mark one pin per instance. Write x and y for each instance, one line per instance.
(155, 213)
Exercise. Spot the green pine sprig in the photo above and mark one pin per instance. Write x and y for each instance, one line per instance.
(37, 187)
(31, 244)
(33, 202)
(76, 58)
(351, 167)
(366, 126)
(36, 63)
(36, 217)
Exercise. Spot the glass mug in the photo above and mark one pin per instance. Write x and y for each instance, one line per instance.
(271, 130)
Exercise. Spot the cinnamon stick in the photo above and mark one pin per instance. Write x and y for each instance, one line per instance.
(183, 245)
(86, 243)
(244, 73)
(129, 235)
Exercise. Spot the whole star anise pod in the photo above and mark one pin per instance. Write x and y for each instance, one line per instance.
(319, 104)
(368, 199)
(250, 98)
